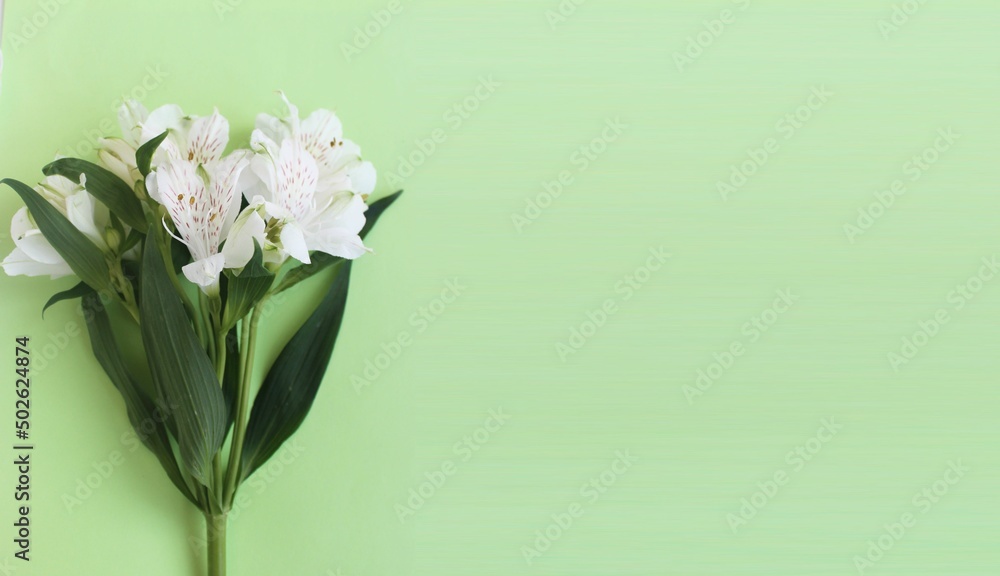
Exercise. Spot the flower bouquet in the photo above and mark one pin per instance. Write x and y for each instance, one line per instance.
(192, 244)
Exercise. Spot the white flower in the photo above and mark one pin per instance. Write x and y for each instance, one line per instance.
(197, 139)
(200, 140)
(290, 216)
(118, 154)
(34, 255)
(338, 161)
(203, 202)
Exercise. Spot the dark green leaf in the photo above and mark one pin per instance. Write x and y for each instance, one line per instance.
(231, 378)
(81, 289)
(146, 418)
(291, 385)
(321, 260)
(105, 186)
(144, 155)
(246, 290)
(182, 373)
(83, 256)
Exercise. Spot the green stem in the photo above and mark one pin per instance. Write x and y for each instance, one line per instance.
(220, 372)
(215, 532)
(206, 319)
(247, 346)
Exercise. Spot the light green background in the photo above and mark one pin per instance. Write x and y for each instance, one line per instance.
(332, 509)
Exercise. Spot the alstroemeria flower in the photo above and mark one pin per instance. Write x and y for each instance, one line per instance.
(34, 255)
(289, 216)
(338, 161)
(200, 140)
(196, 139)
(203, 202)
(118, 154)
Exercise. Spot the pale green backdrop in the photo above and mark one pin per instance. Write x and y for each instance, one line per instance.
(607, 439)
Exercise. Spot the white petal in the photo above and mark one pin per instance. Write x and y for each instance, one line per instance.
(297, 176)
(80, 210)
(363, 178)
(17, 263)
(225, 178)
(205, 272)
(164, 118)
(119, 157)
(182, 191)
(321, 130)
(208, 138)
(31, 241)
(341, 243)
(131, 116)
(293, 241)
(153, 187)
(239, 246)
(168, 117)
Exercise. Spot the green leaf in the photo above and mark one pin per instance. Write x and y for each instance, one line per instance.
(321, 260)
(146, 418)
(81, 289)
(182, 373)
(83, 256)
(291, 385)
(231, 377)
(246, 290)
(144, 155)
(105, 186)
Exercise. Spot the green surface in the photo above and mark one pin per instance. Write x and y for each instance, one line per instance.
(332, 507)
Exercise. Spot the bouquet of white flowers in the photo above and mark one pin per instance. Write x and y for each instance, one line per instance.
(193, 243)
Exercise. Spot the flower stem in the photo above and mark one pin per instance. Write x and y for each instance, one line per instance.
(247, 346)
(215, 532)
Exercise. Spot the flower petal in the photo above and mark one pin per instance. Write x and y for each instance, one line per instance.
(363, 178)
(205, 272)
(18, 263)
(320, 131)
(131, 116)
(119, 157)
(239, 246)
(296, 177)
(31, 241)
(294, 242)
(81, 209)
(226, 176)
(208, 138)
